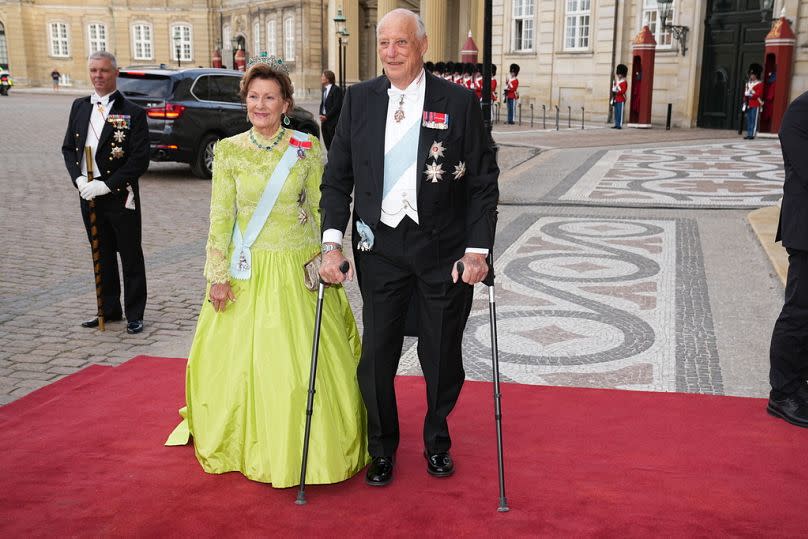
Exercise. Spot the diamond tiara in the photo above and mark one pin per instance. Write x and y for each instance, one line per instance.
(274, 62)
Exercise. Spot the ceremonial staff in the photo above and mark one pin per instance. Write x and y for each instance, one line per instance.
(88, 157)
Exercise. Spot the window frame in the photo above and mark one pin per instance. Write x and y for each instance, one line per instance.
(103, 40)
(289, 41)
(56, 42)
(520, 22)
(189, 42)
(580, 41)
(256, 41)
(150, 41)
(664, 38)
(272, 44)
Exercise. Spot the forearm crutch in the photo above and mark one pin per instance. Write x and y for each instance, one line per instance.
(492, 313)
(315, 350)
(94, 243)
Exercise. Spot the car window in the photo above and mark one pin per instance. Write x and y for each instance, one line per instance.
(201, 88)
(225, 88)
(144, 85)
(219, 88)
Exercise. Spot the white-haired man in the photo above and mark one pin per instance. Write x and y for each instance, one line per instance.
(117, 132)
(413, 149)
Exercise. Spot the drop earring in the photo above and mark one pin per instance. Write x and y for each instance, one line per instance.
(286, 120)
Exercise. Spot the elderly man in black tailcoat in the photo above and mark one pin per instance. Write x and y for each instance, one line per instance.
(413, 150)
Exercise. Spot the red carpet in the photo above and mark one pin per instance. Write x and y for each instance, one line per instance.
(84, 457)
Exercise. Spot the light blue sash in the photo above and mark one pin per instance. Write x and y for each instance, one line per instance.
(401, 157)
(241, 261)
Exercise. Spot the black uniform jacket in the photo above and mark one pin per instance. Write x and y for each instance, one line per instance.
(121, 167)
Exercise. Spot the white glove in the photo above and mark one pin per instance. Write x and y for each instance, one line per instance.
(81, 181)
(93, 189)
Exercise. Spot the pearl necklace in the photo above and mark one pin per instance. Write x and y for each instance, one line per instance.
(275, 142)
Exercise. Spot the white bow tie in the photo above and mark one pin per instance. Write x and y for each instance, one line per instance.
(410, 92)
(95, 100)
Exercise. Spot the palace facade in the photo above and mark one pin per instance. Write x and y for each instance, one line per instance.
(567, 49)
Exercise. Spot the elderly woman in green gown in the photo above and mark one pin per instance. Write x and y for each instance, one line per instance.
(248, 368)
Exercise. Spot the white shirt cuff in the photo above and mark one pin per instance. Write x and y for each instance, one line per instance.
(332, 235)
(477, 250)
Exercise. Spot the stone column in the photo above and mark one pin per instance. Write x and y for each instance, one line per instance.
(434, 13)
(385, 7)
(351, 10)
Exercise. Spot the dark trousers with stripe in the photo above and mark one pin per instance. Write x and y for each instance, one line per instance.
(788, 355)
(119, 231)
(408, 264)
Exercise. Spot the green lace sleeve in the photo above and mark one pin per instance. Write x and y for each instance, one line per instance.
(314, 177)
(222, 214)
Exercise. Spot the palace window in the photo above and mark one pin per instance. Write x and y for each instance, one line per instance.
(271, 38)
(289, 39)
(58, 39)
(181, 43)
(226, 37)
(651, 18)
(522, 25)
(97, 37)
(142, 45)
(256, 38)
(3, 46)
(576, 30)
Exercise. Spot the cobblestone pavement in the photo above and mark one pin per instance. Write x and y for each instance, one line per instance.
(645, 298)
(747, 175)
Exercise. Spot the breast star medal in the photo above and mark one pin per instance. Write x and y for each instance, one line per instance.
(119, 136)
(117, 152)
(459, 170)
(436, 150)
(399, 115)
(434, 172)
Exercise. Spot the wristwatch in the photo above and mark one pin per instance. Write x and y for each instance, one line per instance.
(328, 247)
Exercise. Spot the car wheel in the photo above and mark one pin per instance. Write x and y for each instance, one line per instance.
(202, 165)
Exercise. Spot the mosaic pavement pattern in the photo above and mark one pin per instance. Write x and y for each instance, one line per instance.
(734, 175)
(598, 302)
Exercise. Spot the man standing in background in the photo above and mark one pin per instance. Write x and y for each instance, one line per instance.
(330, 106)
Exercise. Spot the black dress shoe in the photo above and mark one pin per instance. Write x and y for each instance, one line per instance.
(93, 322)
(439, 464)
(135, 326)
(380, 471)
(793, 408)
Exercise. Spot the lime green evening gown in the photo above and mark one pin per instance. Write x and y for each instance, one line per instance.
(248, 368)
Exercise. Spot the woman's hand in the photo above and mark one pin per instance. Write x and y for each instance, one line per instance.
(219, 294)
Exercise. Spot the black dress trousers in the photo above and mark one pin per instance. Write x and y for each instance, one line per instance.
(410, 264)
(119, 231)
(789, 346)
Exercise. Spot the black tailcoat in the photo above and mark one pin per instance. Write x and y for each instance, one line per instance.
(119, 229)
(413, 262)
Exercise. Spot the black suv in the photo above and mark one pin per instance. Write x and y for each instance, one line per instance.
(190, 109)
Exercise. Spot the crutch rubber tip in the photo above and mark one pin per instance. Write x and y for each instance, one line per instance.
(300, 501)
